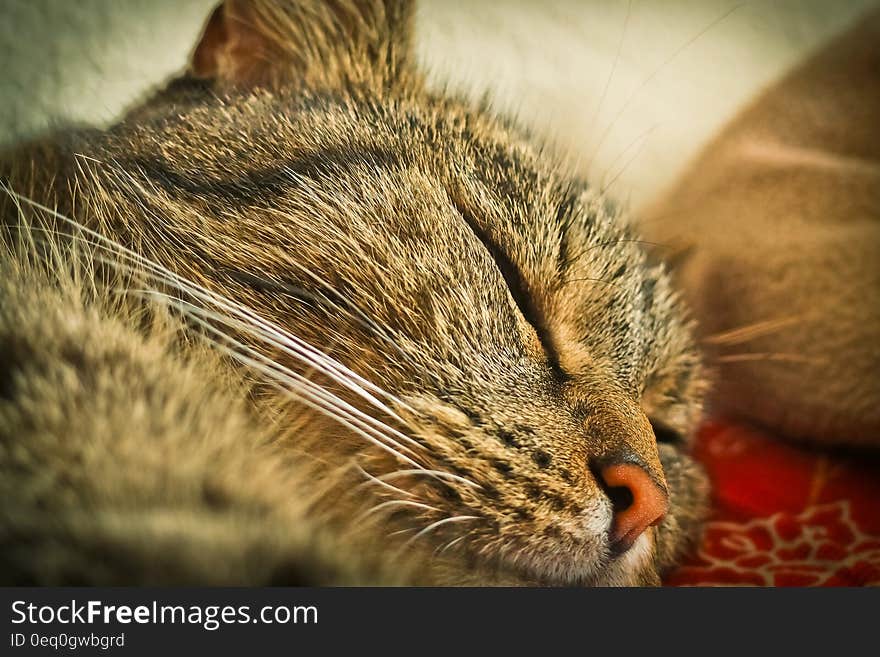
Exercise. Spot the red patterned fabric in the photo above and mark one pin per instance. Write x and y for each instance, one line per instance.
(785, 515)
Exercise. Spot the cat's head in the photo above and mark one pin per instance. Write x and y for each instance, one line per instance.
(526, 353)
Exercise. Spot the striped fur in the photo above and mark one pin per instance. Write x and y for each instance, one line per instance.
(307, 322)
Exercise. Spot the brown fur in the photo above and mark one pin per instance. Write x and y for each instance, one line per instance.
(781, 215)
(513, 333)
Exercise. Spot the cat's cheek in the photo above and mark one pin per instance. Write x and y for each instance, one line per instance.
(636, 567)
(688, 505)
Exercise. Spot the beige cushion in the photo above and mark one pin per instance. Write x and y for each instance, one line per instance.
(780, 220)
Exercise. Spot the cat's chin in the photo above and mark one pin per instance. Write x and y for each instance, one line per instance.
(635, 567)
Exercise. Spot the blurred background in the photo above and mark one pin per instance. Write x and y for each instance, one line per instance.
(629, 89)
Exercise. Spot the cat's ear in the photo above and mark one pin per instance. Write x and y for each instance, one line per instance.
(323, 43)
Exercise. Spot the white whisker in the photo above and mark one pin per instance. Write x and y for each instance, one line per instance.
(393, 503)
(439, 474)
(268, 331)
(440, 523)
(448, 545)
(284, 374)
(373, 479)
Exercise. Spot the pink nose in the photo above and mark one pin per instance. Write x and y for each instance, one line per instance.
(637, 500)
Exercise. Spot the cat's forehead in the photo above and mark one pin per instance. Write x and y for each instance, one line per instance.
(413, 202)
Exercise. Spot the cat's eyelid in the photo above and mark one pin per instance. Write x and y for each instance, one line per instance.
(516, 285)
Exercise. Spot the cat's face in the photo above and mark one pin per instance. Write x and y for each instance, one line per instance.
(519, 339)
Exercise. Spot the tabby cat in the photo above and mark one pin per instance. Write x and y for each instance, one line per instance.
(299, 320)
